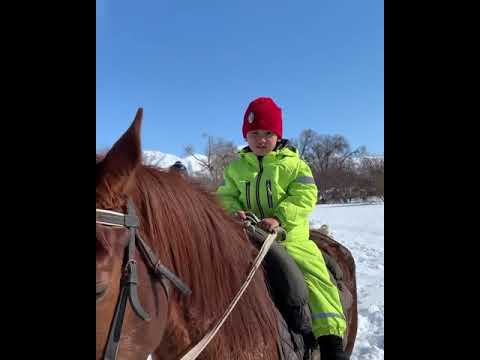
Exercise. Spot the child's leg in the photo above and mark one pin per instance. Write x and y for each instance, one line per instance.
(327, 313)
(331, 348)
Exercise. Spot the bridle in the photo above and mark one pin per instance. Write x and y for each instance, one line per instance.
(129, 280)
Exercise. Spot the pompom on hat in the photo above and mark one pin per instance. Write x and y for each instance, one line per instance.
(263, 114)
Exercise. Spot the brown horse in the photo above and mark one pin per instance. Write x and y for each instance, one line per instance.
(185, 226)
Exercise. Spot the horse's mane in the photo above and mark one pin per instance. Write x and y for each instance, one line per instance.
(194, 237)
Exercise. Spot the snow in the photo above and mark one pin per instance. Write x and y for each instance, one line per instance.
(360, 227)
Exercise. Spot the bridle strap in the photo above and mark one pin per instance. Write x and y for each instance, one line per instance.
(129, 281)
(159, 269)
(131, 278)
(130, 220)
(116, 327)
(129, 284)
(113, 218)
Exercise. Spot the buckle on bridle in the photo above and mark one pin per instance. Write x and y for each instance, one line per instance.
(130, 266)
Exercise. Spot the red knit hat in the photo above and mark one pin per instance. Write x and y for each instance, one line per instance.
(263, 114)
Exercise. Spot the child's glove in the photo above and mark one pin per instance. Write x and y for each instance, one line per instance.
(269, 224)
(240, 215)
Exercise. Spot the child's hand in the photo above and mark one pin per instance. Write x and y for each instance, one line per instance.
(269, 224)
(240, 215)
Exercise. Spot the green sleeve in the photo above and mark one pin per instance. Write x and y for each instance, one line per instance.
(301, 198)
(229, 193)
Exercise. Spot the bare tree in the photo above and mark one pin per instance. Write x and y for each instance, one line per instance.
(335, 165)
(331, 150)
(372, 171)
(218, 154)
(305, 142)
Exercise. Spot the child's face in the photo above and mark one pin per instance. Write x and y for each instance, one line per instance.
(261, 141)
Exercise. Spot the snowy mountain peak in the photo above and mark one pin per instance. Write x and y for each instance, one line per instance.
(163, 160)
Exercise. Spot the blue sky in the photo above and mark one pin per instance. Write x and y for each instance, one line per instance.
(195, 65)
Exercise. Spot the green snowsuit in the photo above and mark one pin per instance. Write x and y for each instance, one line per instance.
(281, 185)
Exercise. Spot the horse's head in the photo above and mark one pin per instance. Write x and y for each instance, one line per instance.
(185, 225)
(121, 310)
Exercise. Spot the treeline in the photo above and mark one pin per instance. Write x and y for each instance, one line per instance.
(342, 174)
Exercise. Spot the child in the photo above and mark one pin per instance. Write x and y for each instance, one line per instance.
(272, 181)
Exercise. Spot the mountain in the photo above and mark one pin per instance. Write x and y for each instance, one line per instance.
(163, 160)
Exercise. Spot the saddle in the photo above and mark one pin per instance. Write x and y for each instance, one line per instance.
(289, 291)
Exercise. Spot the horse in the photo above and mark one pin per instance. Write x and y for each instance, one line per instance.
(165, 244)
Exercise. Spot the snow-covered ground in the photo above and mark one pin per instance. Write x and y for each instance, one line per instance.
(360, 227)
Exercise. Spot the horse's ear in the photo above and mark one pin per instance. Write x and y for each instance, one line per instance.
(118, 166)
